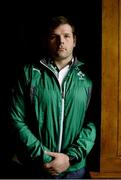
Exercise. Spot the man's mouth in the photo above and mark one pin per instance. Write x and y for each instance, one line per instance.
(61, 49)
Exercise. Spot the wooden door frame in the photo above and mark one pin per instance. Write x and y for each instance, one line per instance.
(110, 152)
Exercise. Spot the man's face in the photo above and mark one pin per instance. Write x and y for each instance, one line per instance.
(61, 42)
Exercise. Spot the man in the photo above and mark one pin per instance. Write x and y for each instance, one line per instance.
(47, 110)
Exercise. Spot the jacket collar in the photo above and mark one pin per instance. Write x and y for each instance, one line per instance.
(46, 61)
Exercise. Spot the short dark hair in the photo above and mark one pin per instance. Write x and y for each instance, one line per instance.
(59, 20)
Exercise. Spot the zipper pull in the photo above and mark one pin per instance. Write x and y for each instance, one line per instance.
(62, 94)
(63, 90)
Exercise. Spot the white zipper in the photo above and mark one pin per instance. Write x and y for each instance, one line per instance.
(62, 117)
(62, 110)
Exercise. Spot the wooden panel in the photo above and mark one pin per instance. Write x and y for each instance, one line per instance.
(111, 165)
(111, 120)
(105, 175)
(110, 156)
(109, 78)
(119, 137)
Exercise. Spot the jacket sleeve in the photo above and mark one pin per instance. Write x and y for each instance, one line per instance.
(84, 143)
(30, 146)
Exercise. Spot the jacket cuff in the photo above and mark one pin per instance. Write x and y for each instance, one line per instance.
(73, 160)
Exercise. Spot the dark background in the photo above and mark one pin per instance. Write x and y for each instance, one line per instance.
(22, 38)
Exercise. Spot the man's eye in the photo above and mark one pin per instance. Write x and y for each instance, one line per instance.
(67, 36)
(52, 37)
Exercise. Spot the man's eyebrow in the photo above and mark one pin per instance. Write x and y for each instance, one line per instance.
(67, 33)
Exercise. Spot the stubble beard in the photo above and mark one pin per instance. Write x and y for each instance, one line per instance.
(61, 56)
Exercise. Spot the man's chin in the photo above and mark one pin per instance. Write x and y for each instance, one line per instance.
(61, 56)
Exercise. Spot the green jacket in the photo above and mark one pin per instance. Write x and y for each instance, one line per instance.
(45, 116)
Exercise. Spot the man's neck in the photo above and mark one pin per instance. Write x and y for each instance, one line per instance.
(62, 63)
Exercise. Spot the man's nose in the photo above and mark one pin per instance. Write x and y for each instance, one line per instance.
(61, 39)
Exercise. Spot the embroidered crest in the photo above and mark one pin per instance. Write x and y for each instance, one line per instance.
(81, 75)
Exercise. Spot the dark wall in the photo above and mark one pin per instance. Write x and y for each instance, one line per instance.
(22, 41)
